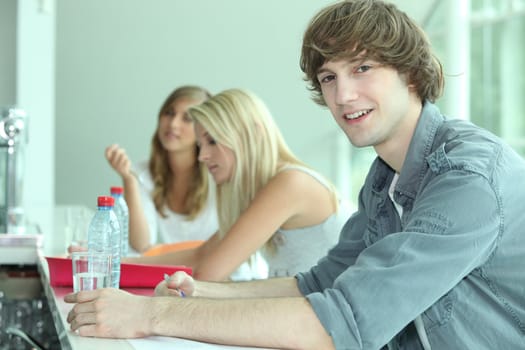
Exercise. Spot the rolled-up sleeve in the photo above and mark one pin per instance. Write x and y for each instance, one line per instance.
(339, 258)
(365, 296)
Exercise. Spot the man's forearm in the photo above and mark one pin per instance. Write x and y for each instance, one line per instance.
(274, 287)
(283, 323)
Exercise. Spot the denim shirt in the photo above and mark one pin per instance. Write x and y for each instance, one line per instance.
(455, 259)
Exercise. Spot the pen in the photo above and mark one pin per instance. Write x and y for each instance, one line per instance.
(167, 279)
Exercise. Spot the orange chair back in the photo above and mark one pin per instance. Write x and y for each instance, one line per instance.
(171, 247)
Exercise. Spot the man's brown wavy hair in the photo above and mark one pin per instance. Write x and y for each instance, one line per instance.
(377, 31)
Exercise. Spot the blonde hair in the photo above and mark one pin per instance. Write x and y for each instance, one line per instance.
(240, 121)
(382, 32)
(159, 165)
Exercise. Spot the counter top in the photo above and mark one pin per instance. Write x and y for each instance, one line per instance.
(53, 242)
(71, 341)
(19, 248)
(60, 309)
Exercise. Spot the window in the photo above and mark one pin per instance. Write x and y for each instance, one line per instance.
(495, 73)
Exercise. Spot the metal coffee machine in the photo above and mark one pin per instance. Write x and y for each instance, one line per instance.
(26, 320)
(13, 141)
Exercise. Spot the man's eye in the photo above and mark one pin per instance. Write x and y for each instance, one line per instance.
(363, 68)
(326, 79)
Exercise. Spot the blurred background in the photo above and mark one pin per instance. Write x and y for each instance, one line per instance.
(92, 73)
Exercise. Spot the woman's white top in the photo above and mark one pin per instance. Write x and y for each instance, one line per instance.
(175, 227)
(297, 250)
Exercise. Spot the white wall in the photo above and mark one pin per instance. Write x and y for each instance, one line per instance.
(117, 60)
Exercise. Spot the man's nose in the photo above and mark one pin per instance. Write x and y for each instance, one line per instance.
(346, 91)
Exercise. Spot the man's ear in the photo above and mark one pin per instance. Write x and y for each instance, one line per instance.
(411, 86)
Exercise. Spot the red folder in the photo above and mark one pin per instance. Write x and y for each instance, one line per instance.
(131, 275)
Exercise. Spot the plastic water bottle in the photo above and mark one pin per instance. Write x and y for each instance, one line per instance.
(104, 235)
(122, 212)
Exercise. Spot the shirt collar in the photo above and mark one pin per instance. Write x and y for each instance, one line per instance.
(415, 164)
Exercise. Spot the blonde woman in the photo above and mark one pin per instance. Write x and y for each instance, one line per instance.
(170, 197)
(267, 199)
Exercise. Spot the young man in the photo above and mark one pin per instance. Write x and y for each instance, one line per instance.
(434, 256)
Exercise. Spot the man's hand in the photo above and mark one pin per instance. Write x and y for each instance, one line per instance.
(109, 313)
(178, 284)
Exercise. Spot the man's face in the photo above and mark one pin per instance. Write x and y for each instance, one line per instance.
(371, 102)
